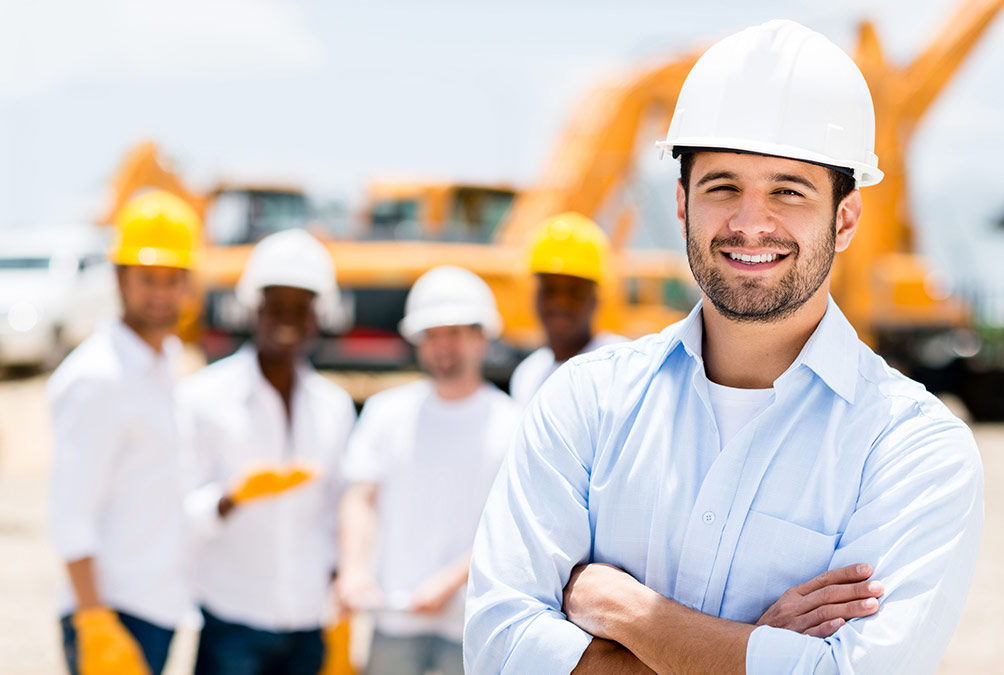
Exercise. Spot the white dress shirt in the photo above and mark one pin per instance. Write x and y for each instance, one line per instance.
(540, 365)
(618, 461)
(434, 461)
(268, 564)
(116, 485)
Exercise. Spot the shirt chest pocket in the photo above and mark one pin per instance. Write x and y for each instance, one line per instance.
(772, 556)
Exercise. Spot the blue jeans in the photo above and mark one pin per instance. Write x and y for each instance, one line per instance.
(233, 649)
(153, 640)
(414, 655)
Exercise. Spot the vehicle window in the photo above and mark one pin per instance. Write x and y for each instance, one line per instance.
(477, 213)
(26, 263)
(245, 216)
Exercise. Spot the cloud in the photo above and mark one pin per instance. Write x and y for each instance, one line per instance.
(49, 44)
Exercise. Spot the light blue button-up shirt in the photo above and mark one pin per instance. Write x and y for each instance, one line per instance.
(618, 461)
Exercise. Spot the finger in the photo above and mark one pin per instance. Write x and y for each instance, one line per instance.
(825, 629)
(841, 575)
(845, 611)
(832, 595)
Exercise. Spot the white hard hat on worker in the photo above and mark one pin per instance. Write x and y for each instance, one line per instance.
(783, 90)
(449, 296)
(292, 258)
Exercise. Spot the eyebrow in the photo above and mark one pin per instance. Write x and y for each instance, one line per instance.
(791, 178)
(715, 175)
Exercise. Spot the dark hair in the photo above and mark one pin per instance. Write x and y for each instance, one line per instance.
(842, 183)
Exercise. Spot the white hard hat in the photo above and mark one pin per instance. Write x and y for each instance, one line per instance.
(779, 89)
(289, 258)
(449, 296)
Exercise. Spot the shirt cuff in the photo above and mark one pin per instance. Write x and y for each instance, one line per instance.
(777, 650)
(202, 509)
(548, 645)
(74, 540)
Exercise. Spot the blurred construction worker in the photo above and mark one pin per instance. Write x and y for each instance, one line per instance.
(569, 258)
(419, 466)
(752, 490)
(116, 512)
(268, 435)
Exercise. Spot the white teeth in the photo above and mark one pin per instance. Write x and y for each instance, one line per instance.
(754, 259)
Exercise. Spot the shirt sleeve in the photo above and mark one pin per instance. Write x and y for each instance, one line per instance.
(535, 528)
(335, 481)
(85, 443)
(200, 470)
(918, 522)
(367, 455)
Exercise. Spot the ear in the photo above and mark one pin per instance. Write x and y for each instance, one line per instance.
(681, 208)
(848, 215)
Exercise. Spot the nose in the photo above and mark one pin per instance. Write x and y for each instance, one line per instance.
(752, 217)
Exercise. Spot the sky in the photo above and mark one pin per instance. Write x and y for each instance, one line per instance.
(333, 94)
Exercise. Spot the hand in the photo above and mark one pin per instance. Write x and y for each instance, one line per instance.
(270, 482)
(357, 592)
(105, 646)
(587, 597)
(432, 595)
(824, 603)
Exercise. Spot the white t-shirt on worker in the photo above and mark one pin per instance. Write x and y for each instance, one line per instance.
(267, 564)
(540, 365)
(434, 461)
(116, 478)
(733, 407)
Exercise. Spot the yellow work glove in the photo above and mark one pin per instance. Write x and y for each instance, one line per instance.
(104, 646)
(336, 650)
(270, 482)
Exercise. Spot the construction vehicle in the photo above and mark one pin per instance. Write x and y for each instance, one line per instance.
(884, 287)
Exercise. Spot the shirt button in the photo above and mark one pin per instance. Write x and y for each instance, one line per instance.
(709, 517)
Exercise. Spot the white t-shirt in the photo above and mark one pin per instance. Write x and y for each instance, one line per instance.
(733, 407)
(540, 365)
(435, 462)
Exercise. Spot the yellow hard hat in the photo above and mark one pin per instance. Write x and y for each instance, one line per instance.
(156, 228)
(569, 243)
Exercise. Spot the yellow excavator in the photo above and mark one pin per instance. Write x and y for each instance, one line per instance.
(885, 288)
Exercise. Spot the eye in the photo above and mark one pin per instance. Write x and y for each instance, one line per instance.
(788, 192)
(722, 188)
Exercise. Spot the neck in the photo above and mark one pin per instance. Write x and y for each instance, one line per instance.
(753, 355)
(456, 388)
(279, 372)
(569, 348)
(153, 337)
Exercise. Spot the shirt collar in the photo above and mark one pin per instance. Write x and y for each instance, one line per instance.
(139, 355)
(252, 379)
(830, 352)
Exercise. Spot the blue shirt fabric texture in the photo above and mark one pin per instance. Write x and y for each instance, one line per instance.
(618, 461)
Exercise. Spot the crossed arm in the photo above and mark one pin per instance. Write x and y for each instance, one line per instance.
(641, 631)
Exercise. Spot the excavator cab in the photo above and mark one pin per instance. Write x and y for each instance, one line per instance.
(436, 211)
(244, 215)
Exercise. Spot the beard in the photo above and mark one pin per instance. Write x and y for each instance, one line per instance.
(756, 300)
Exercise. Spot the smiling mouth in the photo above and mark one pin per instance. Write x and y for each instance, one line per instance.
(757, 259)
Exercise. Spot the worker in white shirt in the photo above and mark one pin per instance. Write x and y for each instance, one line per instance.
(116, 515)
(569, 258)
(268, 435)
(752, 490)
(419, 467)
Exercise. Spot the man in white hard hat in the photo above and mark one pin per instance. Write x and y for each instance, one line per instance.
(568, 258)
(268, 435)
(116, 514)
(420, 464)
(752, 489)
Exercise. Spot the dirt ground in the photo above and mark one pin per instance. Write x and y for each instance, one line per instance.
(30, 574)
